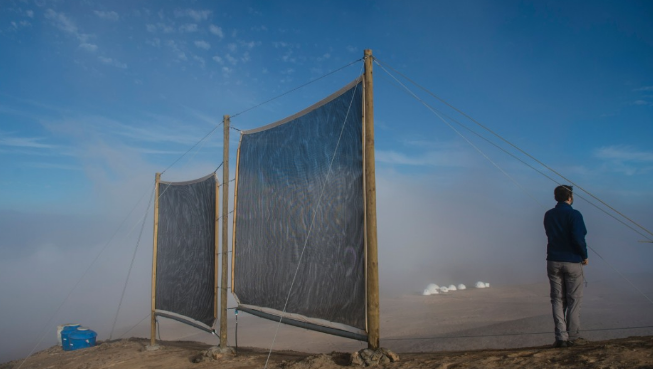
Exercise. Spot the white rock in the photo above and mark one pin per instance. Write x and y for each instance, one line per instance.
(487, 284)
(444, 289)
(480, 284)
(451, 288)
(462, 287)
(426, 292)
(433, 288)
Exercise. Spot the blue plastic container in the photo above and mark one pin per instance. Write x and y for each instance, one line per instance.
(65, 335)
(81, 338)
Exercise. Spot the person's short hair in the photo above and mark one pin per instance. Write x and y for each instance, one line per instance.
(563, 193)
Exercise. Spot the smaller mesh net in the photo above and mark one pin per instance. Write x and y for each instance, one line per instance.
(185, 261)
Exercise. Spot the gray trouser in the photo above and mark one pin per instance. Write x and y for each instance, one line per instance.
(566, 281)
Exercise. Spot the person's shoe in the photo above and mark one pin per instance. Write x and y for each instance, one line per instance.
(580, 341)
(560, 343)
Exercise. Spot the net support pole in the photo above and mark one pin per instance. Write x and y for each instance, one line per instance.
(154, 250)
(225, 225)
(372, 263)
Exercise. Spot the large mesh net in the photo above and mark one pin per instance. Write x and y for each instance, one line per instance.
(300, 209)
(185, 261)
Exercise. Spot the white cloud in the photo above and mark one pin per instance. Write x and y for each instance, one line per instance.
(645, 88)
(88, 47)
(196, 15)
(641, 102)
(251, 44)
(177, 50)
(156, 42)
(30, 13)
(190, 27)
(351, 49)
(112, 62)
(108, 15)
(200, 60)
(52, 166)
(153, 28)
(217, 59)
(288, 57)
(434, 158)
(623, 153)
(202, 44)
(231, 59)
(625, 159)
(61, 21)
(216, 31)
(232, 47)
(24, 142)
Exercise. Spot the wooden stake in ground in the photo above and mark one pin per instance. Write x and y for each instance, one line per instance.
(370, 209)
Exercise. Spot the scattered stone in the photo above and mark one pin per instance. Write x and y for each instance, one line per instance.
(356, 359)
(390, 354)
(152, 347)
(199, 359)
(214, 353)
(367, 357)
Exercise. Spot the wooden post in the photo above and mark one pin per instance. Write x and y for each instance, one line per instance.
(370, 208)
(154, 249)
(225, 225)
(216, 246)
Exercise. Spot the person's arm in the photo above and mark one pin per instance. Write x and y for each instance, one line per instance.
(578, 235)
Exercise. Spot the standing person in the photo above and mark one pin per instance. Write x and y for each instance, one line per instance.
(566, 254)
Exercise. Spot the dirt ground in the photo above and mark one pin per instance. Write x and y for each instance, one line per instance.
(631, 352)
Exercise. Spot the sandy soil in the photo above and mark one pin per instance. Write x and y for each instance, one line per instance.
(500, 327)
(633, 352)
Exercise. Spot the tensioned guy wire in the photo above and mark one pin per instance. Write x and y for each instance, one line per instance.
(136, 248)
(192, 147)
(310, 228)
(135, 325)
(219, 166)
(450, 126)
(296, 88)
(460, 134)
(519, 149)
(82, 277)
(440, 115)
(131, 265)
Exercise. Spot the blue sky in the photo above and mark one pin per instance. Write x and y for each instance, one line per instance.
(91, 90)
(97, 96)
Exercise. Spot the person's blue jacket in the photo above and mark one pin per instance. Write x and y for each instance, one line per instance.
(565, 230)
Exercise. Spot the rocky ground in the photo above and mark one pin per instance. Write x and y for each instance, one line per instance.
(631, 352)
